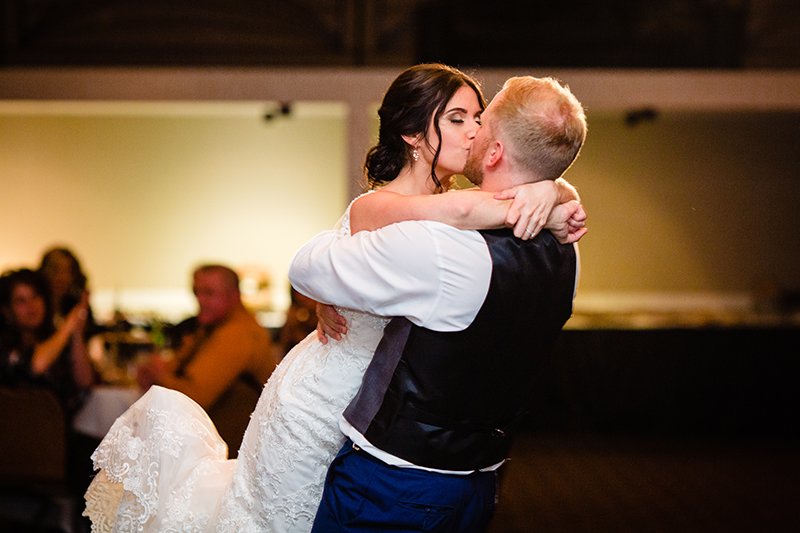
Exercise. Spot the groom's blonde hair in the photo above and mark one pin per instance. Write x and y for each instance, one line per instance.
(541, 123)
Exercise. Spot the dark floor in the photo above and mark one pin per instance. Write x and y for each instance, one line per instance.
(20, 513)
(623, 484)
(643, 484)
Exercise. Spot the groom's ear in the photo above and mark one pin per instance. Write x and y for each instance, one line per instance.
(495, 153)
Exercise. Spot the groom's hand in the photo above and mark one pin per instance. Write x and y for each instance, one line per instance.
(329, 323)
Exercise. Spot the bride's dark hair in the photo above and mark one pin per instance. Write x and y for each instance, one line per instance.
(417, 94)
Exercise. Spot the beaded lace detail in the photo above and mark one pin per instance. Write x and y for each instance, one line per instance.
(163, 467)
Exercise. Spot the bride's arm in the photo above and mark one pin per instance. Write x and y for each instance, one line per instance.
(527, 207)
(470, 209)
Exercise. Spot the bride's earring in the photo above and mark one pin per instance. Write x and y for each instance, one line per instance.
(415, 154)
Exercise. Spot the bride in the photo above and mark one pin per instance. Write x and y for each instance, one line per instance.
(164, 468)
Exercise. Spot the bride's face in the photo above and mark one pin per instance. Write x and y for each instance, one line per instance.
(458, 124)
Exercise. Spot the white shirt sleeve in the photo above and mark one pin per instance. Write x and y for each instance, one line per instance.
(435, 275)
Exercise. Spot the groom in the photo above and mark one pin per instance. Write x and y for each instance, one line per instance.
(478, 312)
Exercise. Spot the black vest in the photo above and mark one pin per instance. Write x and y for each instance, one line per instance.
(452, 399)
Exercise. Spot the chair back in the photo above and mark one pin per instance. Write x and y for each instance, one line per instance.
(33, 437)
(231, 413)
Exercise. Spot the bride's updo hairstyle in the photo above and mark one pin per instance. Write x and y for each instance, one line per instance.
(416, 95)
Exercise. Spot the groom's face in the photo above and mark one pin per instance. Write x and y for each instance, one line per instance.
(473, 169)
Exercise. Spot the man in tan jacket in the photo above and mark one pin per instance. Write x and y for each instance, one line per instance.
(225, 363)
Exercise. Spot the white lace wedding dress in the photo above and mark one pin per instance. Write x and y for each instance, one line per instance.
(164, 468)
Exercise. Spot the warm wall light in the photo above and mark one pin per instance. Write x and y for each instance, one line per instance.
(255, 285)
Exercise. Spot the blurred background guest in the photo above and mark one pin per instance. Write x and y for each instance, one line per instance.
(67, 284)
(301, 319)
(224, 364)
(36, 353)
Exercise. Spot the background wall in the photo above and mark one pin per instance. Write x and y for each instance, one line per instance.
(690, 201)
(143, 193)
(689, 206)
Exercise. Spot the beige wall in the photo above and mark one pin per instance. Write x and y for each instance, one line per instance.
(144, 196)
(691, 202)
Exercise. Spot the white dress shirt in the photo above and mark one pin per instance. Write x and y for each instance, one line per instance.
(433, 274)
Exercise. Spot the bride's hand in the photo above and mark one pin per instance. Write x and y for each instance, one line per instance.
(567, 222)
(329, 323)
(531, 207)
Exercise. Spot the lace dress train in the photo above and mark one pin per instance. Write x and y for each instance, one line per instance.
(162, 451)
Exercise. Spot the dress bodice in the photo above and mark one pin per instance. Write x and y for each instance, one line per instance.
(363, 329)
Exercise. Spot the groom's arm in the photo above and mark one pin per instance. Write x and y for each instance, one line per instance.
(433, 274)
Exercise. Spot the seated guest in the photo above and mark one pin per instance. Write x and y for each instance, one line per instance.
(35, 353)
(67, 284)
(227, 360)
(301, 319)
(33, 350)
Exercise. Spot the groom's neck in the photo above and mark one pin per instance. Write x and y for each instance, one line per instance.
(500, 181)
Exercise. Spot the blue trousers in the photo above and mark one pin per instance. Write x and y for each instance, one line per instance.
(364, 494)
